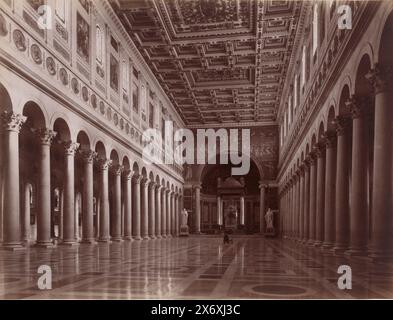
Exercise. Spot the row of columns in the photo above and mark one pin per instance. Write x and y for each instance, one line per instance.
(150, 210)
(220, 212)
(326, 200)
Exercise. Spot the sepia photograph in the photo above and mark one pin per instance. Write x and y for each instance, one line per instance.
(207, 152)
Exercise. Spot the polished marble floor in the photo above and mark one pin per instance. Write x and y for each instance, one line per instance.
(190, 268)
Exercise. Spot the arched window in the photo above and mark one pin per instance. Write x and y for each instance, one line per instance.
(315, 29)
(125, 75)
(99, 44)
(61, 9)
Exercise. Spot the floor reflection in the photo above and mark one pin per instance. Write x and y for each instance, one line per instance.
(190, 268)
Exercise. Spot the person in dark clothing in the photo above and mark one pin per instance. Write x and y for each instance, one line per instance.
(227, 240)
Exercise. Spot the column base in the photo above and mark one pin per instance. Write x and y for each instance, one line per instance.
(12, 247)
(137, 238)
(103, 240)
(168, 236)
(117, 239)
(128, 238)
(145, 238)
(69, 243)
(45, 244)
(326, 246)
(339, 250)
(357, 252)
(88, 241)
(153, 237)
(318, 244)
(380, 256)
(158, 237)
(310, 243)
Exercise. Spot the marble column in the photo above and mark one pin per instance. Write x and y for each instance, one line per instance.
(313, 198)
(306, 199)
(359, 220)
(152, 209)
(136, 207)
(127, 205)
(173, 214)
(116, 216)
(163, 212)
(69, 194)
(176, 204)
(158, 191)
(197, 209)
(104, 165)
(297, 205)
(12, 124)
(242, 218)
(145, 209)
(330, 190)
(219, 221)
(290, 208)
(292, 204)
(342, 187)
(168, 214)
(88, 157)
(262, 207)
(25, 219)
(320, 202)
(382, 194)
(178, 211)
(301, 202)
(45, 138)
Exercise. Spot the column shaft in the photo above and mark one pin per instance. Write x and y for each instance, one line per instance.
(152, 209)
(127, 206)
(342, 187)
(330, 190)
(87, 201)
(197, 209)
(320, 218)
(382, 193)
(306, 199)
(158, 211)
(104, 201)
(69, 194)
(116, 216)
(312, 196)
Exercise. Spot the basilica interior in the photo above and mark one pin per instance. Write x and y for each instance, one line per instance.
(81, 84)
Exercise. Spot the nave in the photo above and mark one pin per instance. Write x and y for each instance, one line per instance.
(199, 267)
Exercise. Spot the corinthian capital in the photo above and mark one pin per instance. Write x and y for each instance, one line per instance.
(12, 121)
(88, 156)
(70, 148)
(380, 78)
(357, 106)
(341, 123)
(45, 136)
(117, 169)
(104, 164)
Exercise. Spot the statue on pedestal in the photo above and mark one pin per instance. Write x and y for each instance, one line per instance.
(269, 221)
(184, 229)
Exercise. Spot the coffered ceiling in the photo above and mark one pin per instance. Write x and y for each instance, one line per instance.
(220, 61)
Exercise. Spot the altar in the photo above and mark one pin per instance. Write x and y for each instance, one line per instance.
(231, 204)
